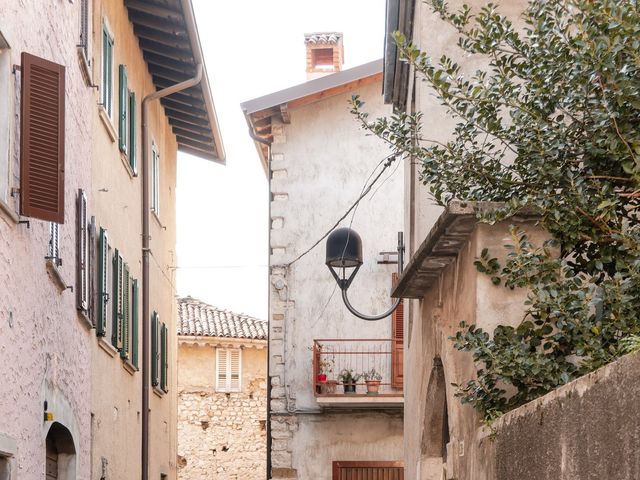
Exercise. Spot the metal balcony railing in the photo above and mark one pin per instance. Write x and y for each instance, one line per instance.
(381, 359)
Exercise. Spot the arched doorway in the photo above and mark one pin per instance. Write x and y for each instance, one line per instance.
(60, 458)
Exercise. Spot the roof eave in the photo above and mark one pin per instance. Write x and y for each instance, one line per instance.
(194, 39)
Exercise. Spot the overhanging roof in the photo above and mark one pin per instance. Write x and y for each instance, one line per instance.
(260, 111)
(168, 37)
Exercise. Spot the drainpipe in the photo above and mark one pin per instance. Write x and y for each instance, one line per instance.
(146, 149)
(258, 139)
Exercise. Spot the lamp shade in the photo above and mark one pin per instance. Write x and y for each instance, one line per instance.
(344, 249)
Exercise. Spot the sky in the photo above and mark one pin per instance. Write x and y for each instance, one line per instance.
(251, 48)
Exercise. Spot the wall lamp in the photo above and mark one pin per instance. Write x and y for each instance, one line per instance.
(344, 259)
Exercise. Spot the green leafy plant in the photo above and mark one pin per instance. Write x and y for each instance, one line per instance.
(372, 375)
(347, 377)
(550, 124)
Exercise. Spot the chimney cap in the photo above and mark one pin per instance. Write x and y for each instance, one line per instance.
(322, 38)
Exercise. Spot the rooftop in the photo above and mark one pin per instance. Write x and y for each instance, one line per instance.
(197, 318)
(168, 37)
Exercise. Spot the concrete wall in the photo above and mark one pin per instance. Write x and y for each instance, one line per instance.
(221, 435)
(115, 201)
(588, 429)
(321, 161)
(44, 344)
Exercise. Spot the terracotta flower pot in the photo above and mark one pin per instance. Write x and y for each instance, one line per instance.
(373, 386)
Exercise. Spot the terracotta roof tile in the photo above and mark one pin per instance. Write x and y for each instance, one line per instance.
(197, 318)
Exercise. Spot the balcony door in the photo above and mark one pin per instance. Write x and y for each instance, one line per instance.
(368, 470)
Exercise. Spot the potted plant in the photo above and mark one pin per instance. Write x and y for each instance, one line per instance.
(325, 366)
(372, 378)
(348, 380)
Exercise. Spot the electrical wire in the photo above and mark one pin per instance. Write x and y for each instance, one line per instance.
(389, 160)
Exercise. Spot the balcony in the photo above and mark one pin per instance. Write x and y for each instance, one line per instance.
(380, 359)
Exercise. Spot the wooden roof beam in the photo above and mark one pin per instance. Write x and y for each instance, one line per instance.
(173, 41)
(284, 113)
(189, 110)
(154, 59)
(205, 139)
(169, 52)
(156, 23)
(190, 127)
(155, 10)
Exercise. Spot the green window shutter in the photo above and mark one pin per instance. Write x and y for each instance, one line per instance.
(133, 137)
(123, 102)
(134, 323)
(105, 66)
(163, 358)
(154, 349)
(126, 317)
(116, 336)
(103, 291)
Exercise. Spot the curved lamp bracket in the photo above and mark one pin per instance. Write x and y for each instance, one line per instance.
(344, 283)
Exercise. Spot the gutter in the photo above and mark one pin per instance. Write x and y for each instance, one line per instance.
(256, 138)
(146, 150)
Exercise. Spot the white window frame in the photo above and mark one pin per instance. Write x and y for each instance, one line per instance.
(107, 103)
(226, 387)
(155, 180)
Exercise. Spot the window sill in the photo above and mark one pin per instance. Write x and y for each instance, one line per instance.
(159, 392)
(128, 366)
(107, 347)
(106, 121)
(127, 165)
(55, 275)
(85, 319)
(85, 68)
(9, 213)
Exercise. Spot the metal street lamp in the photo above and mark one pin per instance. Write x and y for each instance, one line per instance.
(344, 259)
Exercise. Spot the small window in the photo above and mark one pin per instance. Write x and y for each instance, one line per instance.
(84, 28)
(5, 118)
(53, 253)
(107, 70)
(155, 180)
(228, 370)
(159, 354)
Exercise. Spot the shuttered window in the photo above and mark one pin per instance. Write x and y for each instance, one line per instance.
(123, 103)
(133, 134)
(125, 319)
(155, 180)
(84, 28)
(164, 358)
(82, 257)
(134, 322)
(155, 349)
(107, 70)
(228, 369)
(397, 335)
(42, 139)
(103, 285)
(53, 252)
(117, 304)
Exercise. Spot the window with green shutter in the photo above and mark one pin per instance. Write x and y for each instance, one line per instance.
(133, 137)
(134, 322)
(155, 354)
(123, 102)
(107, 70)
(116, 332)
(164, 354)
(103, 289)
(126, 314)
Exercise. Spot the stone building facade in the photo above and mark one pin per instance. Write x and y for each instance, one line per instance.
(317, 161)
(221, 425)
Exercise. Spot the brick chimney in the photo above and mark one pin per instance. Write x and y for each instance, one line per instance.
(325, 53)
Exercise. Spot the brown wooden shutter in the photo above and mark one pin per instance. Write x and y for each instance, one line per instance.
(42, 139)
(397, 347)
(82, 247)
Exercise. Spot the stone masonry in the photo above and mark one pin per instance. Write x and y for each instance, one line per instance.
(222, 435)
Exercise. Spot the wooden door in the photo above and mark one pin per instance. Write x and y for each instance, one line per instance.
(368, 470)
(52, 461)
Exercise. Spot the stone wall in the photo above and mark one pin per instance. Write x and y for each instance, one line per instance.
(221, 435)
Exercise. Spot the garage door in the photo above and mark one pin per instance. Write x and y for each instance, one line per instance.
(344, 470)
